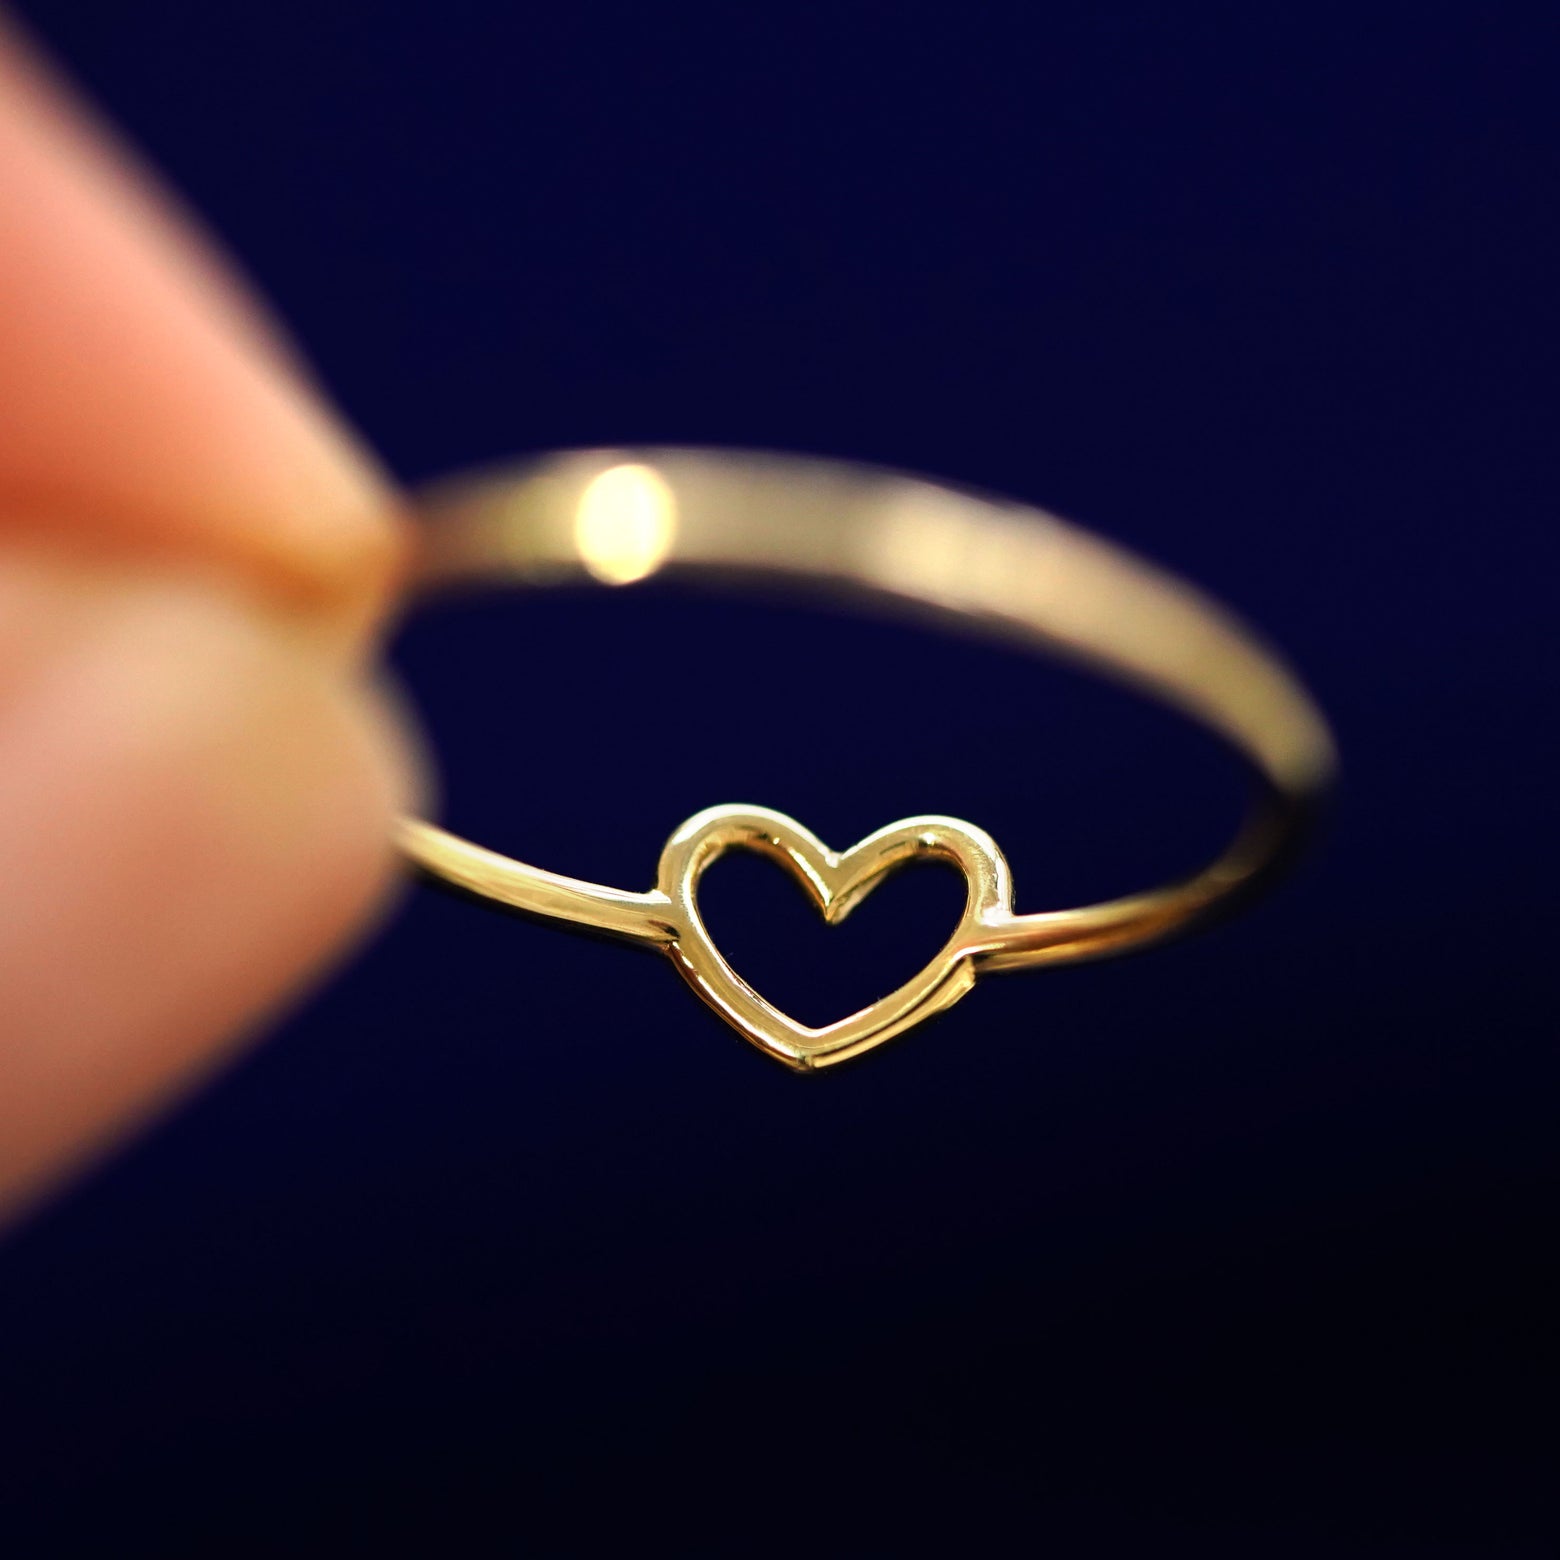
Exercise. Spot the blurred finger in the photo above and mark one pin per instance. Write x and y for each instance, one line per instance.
(142, 399)
(195, 790)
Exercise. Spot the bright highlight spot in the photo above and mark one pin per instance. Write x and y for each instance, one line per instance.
(625, 524)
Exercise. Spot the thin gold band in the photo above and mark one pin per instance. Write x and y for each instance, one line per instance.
(1007, 569)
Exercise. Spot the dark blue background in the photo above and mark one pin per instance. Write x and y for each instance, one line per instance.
(1238, 1247)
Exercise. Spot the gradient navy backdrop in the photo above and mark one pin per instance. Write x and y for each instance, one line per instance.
(1239, 1246)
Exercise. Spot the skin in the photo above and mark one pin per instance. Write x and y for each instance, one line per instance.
(197, 774)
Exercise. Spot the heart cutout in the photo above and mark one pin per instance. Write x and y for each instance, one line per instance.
(768, 927)
(836, 882)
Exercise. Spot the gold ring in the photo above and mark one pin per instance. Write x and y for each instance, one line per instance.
(1004, 568)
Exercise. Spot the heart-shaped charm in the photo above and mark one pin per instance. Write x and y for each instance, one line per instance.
(836, 881)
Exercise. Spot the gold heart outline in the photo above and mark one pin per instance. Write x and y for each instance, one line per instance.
(836, 882)
(989, 936)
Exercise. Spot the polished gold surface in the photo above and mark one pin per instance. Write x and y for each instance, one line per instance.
(1005, 569)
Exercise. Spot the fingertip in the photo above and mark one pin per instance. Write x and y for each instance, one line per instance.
(148, 403)
(195, 813)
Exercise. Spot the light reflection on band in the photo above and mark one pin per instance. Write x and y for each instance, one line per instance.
(625, 524)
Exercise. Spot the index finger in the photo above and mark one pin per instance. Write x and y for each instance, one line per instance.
(144, 400)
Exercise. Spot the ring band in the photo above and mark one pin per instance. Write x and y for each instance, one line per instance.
(1003, 568)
